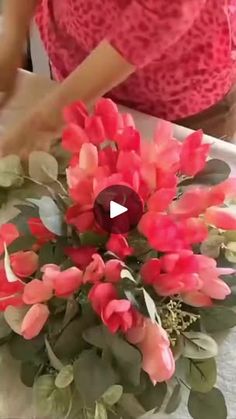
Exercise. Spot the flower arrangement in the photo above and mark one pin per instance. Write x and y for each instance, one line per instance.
(118, 325)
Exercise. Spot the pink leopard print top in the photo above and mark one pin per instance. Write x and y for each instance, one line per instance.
(183, 49)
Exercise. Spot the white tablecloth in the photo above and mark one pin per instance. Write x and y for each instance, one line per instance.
(15, 399)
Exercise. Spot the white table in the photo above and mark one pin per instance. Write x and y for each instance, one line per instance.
(14, 397)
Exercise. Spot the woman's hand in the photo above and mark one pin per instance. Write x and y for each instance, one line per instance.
(34, 132)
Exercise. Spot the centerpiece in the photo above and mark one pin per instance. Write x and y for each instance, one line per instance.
(110, 324)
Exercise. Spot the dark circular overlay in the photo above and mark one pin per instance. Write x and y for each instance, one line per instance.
(122, 195)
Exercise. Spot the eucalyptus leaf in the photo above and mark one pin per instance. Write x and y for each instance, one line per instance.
(92, 376)
(43, 167)
(131, 405)
(202, 375)
(112, 395)
(70, 342)
(11, 171)
(50, 215)
(65, 377)
(215, 171)
(54, 360)
(199, 346)
(151, 306)
(95, 336)
(230, 256)
(174, 400)
(153, 396)
(26, 350)
(49, 400)
(100, 411)
(14, 317)
(211, 247)
(93, 239)
(28, 373)
(208, 405)
(217, 319)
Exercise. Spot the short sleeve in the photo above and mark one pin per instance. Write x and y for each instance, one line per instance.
(146, 28)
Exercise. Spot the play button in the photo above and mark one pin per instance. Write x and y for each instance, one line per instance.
(118, 209)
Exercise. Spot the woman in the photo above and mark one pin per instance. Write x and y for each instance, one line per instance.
(172, 59)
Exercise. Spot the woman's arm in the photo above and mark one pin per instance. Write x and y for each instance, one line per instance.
(17, 15)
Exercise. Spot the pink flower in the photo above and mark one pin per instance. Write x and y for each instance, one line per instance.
(81, 256)
(88, 158)
(65, 282)
(73, 137)
(108, 158)
(82, 220)
(108, 112)
(150, 271)
(95, 270)
(118, 245)
(223, 218)
(152, 341)
(197, 299)
(24, 264)
(37, 291)
(100, 295)
(163, 233)
(38, 230)
(161, 199)
(8, 234)
(118, 315)
(34, 321)
(194, 230)
(193, 154)
(228, 188)
(113, 270)
(128, 139)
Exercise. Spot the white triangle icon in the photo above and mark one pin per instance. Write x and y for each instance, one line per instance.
(116, 209)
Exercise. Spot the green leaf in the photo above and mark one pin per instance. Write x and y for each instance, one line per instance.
(65, 377)
(49, 214)
(43, 167)
(26, 350)
(14, 317)
(49, 400)
(151, 306)
(208, 405)
(11, 172)
(230, 252)
(70, 341)
(93, 239)
(153, 396)
(22, 243)
(211, 247)
(217, 319)
(95, 336)
(202, 375)
(112, 395)
(175, 400)
(5, 330)
(92, 376)
(28, 372)
(131, 405)
(215, 171)
(100, 411)
(126, 274)
(199, 346)
(54, 360)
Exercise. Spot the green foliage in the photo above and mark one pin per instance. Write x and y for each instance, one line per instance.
(174, 400)
(65, 377)
(49, 213)
(202, 374)
(27, 350)
(207, 405)
(92, 376)
(215, 171)
(43, 167)
(199, 346)
(217, 319)
(11, 172)
(112, 395)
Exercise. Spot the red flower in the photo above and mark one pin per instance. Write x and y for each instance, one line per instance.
(108, 112)
(75, 113)
(34, 321)
(118, 245)
(81, 256)
(95, 130)
(100, 295)
(128, 139)
(65, 282)
(193, 154)
(82, 220)
(95, 270)
(24, 264)
(150, 271)
(8, 234)
(161, 199)
(38, 230)
(10, 292)
(73, 137)
(37, 291)
(118, 315)
(113, 269)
